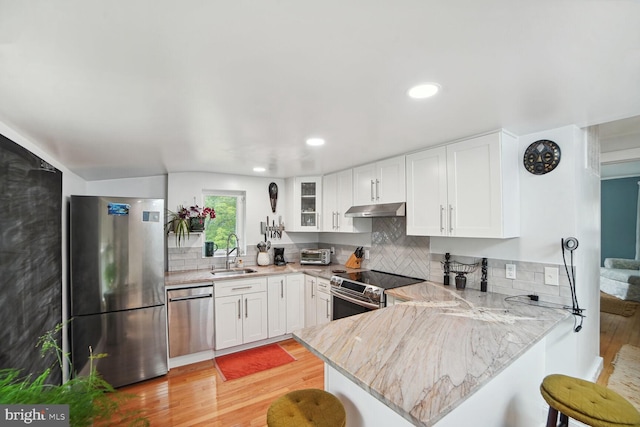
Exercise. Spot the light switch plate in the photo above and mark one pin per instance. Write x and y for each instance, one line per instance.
(510, 272)
(551, 276)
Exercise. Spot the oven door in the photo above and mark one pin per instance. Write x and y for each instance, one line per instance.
(345, 306)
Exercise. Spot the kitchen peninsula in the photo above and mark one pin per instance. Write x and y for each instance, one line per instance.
(444, 357)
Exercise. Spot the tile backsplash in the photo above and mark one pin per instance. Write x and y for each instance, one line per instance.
(394, 252)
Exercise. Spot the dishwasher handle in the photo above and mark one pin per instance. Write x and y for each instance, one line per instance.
(190, 297)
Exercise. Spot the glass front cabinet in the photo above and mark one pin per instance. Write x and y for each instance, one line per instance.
(307, 203)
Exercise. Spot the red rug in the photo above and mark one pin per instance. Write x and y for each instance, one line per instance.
(243, 363)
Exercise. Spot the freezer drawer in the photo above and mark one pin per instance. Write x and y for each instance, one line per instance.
(134, 340)
(190, 320)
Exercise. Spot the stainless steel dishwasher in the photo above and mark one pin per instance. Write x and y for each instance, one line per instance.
(190, 320)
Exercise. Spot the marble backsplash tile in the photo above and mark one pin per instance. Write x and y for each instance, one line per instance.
(395, 252)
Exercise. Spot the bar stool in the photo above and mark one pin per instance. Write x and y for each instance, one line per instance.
(309, 407)
(587, 402)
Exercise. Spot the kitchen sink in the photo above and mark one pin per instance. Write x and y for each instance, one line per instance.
(232, 272)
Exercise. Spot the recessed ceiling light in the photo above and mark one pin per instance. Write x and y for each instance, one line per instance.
(423, 90)
(315, 141)
(259, 169)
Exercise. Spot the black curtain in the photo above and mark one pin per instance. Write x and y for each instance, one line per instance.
(30, 258)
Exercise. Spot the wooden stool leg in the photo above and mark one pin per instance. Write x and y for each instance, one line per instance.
(552, 417)
(564, 420)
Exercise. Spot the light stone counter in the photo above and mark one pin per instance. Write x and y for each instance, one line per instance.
(184, 278)
(424, 357)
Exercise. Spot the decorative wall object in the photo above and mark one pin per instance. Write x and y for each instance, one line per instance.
(30, 257)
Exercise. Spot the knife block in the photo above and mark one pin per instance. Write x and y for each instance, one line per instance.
(353, 261)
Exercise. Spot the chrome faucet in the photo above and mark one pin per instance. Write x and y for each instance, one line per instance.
(227, 265)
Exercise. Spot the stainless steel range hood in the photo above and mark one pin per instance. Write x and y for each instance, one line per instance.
(381, 210)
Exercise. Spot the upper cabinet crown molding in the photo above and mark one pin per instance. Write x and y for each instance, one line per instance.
(468, 188)
(380, 182)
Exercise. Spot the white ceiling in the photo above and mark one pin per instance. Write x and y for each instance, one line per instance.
(121, 89)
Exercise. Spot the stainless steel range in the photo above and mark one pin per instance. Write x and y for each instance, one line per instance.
(355, 293)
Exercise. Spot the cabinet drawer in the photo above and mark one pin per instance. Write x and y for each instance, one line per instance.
(238, 287)
(323, 285)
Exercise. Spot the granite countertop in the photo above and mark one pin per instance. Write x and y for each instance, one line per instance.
(181, 278)
(424, 357)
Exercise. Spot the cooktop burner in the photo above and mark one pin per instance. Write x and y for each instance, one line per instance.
(380, 279)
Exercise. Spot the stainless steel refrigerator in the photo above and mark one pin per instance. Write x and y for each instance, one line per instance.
(117, 297)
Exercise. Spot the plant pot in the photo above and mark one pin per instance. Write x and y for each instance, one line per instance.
(196, 224)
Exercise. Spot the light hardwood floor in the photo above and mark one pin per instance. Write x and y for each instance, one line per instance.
(195, 395)
(615, 331)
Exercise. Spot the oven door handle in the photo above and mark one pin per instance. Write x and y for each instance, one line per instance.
(355, 301)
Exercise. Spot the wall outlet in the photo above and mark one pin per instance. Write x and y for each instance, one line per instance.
(366, 254)
(510, 271)
(551, 276)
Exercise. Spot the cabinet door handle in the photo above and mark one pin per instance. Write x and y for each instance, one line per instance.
(239, 309)
(241, 287)
(337, 220)
(450, 219)
(281, 288)
(377, 189)
(372, 184)
(312, 289)
(333, 220)
(327, 301)
(441, 222)
(246, 308)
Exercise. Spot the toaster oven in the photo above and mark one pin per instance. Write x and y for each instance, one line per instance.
(315, 256)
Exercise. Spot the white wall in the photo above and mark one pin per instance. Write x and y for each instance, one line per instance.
(153, 187)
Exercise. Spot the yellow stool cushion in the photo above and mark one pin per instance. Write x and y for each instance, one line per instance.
(588, 402)
(310, 407)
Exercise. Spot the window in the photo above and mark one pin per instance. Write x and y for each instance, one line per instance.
(230, 218)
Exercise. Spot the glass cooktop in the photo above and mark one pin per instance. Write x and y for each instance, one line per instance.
(380, 279)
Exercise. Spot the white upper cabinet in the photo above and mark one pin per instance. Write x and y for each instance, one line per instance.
(465, 189)
(306, 203)
(427, 192)
(337, 198)
(380, 182)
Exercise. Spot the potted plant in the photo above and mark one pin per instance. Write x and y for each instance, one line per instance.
(186, 220)
(90, 398)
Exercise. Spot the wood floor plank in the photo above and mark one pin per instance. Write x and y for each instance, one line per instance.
(615, 331)
(195, 395)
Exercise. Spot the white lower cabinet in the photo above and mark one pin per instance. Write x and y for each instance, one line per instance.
(240, 312)
(285, 304)
(310, 297)
(323, 301)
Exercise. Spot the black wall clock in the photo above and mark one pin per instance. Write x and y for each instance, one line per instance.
(541, 157)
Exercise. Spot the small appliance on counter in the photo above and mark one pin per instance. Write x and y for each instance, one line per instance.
(315, 256)
(278, 256)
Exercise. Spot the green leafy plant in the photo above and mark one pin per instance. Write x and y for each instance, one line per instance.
(179, 222)
(91, 399)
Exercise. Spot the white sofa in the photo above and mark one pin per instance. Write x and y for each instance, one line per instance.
(621, 278)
